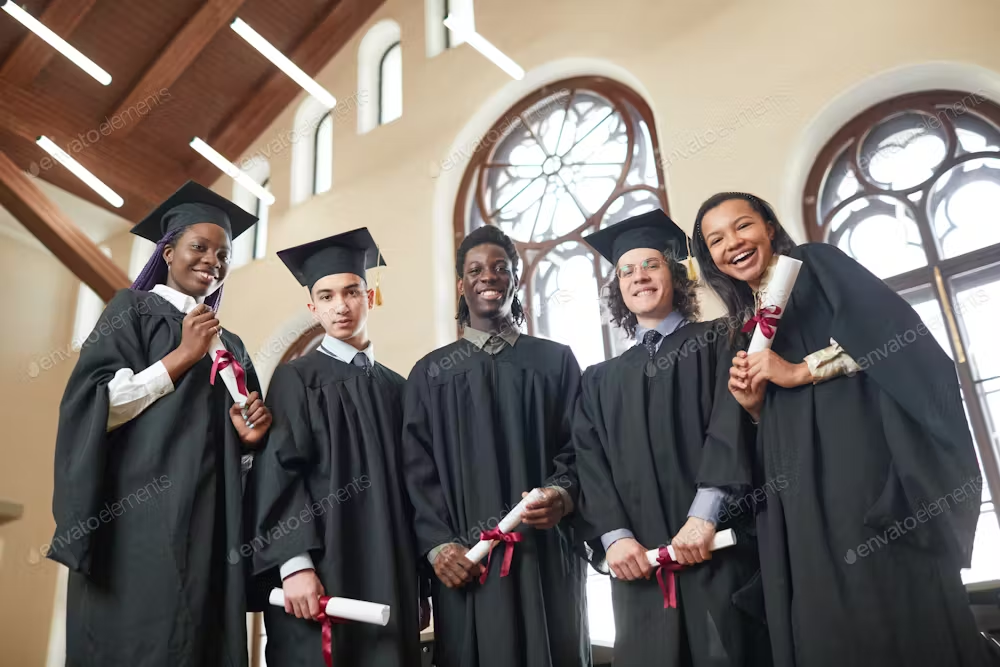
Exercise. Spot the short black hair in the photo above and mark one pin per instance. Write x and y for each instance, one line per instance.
(685, 297)
(492, 235)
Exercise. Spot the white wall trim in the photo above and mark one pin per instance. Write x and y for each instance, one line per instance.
(866, 93)
(451, 166)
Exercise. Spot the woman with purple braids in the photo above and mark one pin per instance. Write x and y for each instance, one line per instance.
(148, 483)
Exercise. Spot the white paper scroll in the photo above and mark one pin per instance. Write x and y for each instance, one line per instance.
(507, 524)
(786, 270)
(724, 538)
(346, 608)
(228, 376)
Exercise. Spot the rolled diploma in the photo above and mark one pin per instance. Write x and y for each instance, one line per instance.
(352, 610)
(511, 521)
(786, 270)
(723, 539)
(228, 377)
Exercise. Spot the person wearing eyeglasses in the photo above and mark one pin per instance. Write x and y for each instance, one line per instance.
(660, 445)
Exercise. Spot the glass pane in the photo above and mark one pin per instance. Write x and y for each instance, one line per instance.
(323, 168)
(975, 134)
(977, 307)
(985, 552)
(599, 609)
(840, 184)
(929, 310)
(564, 303)
(879, 232)
(965, 207)
(903, 151)
(391, 85)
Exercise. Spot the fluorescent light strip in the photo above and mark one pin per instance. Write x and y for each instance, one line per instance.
(57, 42)
(480, 43)
(232, 170)
(284, 64)
(80, 172)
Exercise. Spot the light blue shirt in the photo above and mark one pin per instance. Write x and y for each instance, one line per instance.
(708, 500)
(346, 352)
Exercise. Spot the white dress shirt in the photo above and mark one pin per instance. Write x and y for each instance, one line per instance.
(345, 352)
(129, 392)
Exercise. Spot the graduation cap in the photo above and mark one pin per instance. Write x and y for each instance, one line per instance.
(351, 252)
(648, 230)
(191, 204)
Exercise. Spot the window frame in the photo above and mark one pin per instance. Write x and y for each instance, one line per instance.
(381, 71)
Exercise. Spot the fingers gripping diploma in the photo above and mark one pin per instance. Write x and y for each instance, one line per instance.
(693, 544)
(546, 513)
(302, 593)
(627, 559)
(251, 421)
(453, 568)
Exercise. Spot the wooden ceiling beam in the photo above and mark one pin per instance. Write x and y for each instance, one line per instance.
(126, 167)
(31, 56)
(182, 50)
(63, 238)
(253, 116)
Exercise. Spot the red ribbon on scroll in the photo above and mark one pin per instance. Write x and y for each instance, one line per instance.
(509, 539)
(224, 359)
(327, 622)
(666, 579)
(767, 318)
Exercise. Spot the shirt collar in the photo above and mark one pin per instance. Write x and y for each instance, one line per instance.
(182, 302)
(509, 334)
(345, 351)
(666, 326)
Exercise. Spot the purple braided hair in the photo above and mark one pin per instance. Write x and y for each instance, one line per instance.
(155, 271)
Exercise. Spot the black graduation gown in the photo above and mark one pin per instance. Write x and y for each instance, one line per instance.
(647, 434)
(479, 430)
(147, 514)
(858, 570)
(330, 483)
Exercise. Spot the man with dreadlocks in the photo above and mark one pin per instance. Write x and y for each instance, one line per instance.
(148, 488)
(659, 442)
(486, 420)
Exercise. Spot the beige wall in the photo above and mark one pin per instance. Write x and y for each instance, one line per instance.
(790, 69)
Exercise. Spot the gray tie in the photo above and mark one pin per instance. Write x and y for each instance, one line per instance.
(651, 341)
(361, 361)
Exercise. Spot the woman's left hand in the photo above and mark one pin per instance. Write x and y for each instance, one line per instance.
(252, 421)
(766, 366)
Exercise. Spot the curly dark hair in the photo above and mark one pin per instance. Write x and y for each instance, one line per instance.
(735, 295)
(685, 297)
(488, 234)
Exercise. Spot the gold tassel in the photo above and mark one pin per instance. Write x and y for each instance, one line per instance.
(378, 279)
(692, 274)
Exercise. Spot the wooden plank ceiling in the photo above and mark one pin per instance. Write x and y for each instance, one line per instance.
(178, 72)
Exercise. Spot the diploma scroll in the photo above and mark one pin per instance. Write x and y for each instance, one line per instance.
(230, 370)
(723, 539)
(779, 289)
(507, 524)
(345, 608)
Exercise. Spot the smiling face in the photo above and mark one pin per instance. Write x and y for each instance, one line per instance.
(198, 261)
(341, 303)
(646, 284)
(488, 284)
(739, 240)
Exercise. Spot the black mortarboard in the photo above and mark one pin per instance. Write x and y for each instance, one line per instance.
(191, 204)
(351, 252)
(649, 230)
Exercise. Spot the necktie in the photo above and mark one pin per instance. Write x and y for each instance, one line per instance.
(361, 361)
(650, 340)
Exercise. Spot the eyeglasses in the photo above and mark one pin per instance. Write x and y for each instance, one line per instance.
(648, 265)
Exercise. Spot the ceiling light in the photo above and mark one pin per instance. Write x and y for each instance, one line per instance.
(57, 42)
(479, 43)
(81, 172)
(232, 170)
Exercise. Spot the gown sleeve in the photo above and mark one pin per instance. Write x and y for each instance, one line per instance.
(564, 475)
(279, 480)
(726, 454)
(430, 511)
(82, 440)
(890, 343)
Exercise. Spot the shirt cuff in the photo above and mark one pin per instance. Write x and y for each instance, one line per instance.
(612, 536)
(130, 393)
(707, 503)
(296, 564)
(433, 553)
(566, 498)
(830, 362)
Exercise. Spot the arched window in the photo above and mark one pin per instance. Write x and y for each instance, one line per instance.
(390, 85)
(380, 76)
(574, 157)
(252, 244)
(323, 156)
(911, 189)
